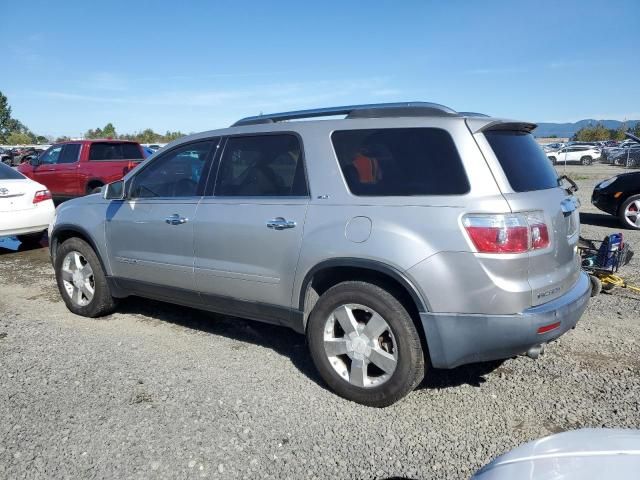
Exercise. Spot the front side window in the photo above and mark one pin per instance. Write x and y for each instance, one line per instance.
(400, 161)
(69, 153)
(262, 166)
(114, 151)
(177, 173)
(50, 157)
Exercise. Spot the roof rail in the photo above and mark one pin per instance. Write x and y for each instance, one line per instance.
(374, 110)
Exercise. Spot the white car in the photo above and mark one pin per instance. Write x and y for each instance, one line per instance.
(26, 207)
(583, 154)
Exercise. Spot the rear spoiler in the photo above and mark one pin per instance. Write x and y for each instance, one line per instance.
(479, 124)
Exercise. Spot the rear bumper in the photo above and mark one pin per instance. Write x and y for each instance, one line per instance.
(457, 339)
(27, 221)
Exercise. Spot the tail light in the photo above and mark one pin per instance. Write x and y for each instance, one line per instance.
(41, 196)
(507, 233)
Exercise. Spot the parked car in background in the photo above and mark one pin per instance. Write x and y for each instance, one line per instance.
(26, 208)
(620, 196)
(582, 154)
(77, 168)
(246, 221)
(6, 156)
(148, 151)
(552, 147)
(627, 157)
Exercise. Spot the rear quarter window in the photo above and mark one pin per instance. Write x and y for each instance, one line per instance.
(113, 151)
(8, 173)
(523, 161)
(400, 162)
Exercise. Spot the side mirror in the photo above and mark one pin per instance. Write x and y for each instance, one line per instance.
(34, 160)
(114, 191)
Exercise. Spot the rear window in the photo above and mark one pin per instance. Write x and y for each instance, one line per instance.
(8, 173)
(400, 161)
(115, 151)
(523, 161)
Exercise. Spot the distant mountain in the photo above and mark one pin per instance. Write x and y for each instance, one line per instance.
(569, 129)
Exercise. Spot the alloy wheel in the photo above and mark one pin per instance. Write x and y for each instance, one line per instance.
(77, 278)
(360, 345)
(632, 214)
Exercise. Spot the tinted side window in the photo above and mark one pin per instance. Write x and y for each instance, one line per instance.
(114, 151)
(262, 165)
(177, 173)
(69, 153)
(51, 156)
(400, 161)
(523, 161)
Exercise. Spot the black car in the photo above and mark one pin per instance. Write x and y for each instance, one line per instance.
(620, 195)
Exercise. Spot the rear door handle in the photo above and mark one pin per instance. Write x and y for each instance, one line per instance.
(176, 219)
(280, 223)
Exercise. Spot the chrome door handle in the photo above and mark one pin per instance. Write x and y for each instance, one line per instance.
(176, 219)
(280, 223)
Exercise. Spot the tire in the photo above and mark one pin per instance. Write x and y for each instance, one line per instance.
(596, 285)
(629, 212)
(101, 302)
(586, 160)
(400, 340)
(95, 190)
(31, 238)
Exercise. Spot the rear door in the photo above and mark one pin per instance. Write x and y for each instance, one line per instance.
(249, 227)
(150, 233)
(529, 184)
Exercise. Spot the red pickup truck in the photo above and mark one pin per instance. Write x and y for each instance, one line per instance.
(76, 168)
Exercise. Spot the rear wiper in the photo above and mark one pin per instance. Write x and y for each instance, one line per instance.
(573, 188)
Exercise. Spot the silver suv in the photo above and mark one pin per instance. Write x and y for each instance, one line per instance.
(402, 237)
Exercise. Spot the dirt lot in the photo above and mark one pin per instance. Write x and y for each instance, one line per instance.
(156, 391)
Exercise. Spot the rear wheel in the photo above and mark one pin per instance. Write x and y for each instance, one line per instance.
(596, 285)
(629, 212)
(364, 344)
(81, 280)
(586, 160)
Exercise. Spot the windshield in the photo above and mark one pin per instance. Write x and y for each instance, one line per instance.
(523, 161)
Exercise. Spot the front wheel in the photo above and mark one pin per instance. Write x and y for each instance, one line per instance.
(629, 212)
(81, 280)
(365, 344)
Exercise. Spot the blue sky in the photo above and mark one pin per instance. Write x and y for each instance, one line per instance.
(72, 65)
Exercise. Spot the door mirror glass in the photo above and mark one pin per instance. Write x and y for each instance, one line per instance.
(114, 191)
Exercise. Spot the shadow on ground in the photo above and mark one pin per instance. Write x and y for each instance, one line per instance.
(600, 220)
(284, 341)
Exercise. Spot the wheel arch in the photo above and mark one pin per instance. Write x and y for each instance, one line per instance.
(93, 183)
(330, 272)
(64, 232)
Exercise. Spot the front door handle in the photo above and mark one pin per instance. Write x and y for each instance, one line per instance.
(280, 223)
(176, 219)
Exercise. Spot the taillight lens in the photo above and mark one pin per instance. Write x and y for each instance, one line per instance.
(507, 233)
(41, 196)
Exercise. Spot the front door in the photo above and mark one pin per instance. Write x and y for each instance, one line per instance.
(248, 229)
(57, 169)
(150, 233)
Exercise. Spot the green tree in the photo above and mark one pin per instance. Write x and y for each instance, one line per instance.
(5, 117)
(18, 138)
(109, 131)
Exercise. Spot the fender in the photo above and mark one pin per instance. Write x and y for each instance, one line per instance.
(374, 265)
(74, 228)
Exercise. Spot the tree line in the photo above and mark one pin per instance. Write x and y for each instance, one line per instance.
(14, 132)
(599, 132)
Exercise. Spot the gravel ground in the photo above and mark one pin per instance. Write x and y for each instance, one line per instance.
(156, 391)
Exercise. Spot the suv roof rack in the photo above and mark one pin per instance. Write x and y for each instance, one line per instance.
(374, 110)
